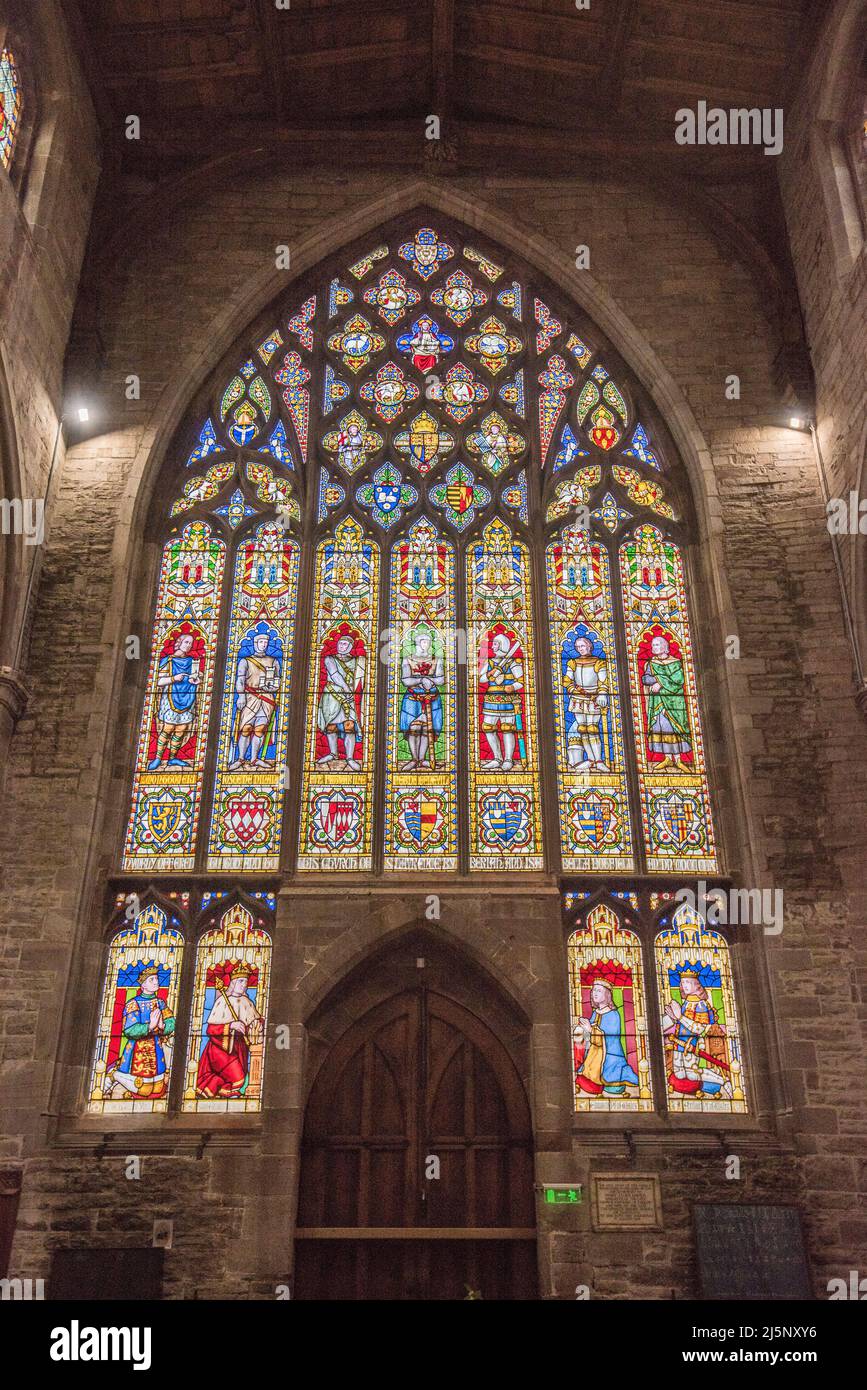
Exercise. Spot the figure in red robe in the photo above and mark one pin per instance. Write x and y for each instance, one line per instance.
(234, 1026)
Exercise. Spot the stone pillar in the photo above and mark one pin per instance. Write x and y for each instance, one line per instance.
(13, 702)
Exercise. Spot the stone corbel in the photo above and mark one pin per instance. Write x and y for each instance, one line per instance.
(13, 702)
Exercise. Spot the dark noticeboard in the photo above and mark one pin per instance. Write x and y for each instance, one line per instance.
(106, 1274)
(751, 1251)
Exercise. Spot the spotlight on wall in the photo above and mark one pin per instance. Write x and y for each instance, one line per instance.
(83, 414)
(799, 422)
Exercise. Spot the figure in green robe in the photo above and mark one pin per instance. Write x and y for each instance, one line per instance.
(667, 719)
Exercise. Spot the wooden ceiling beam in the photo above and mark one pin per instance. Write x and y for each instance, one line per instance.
(612, 74)
(443, 57)
(571, 68)
(268, 22)
(249, 66)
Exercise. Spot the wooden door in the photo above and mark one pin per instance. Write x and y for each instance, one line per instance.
(417, 1175)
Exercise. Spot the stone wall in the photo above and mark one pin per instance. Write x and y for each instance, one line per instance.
(826, 212)
(788, 750)
(45, 213)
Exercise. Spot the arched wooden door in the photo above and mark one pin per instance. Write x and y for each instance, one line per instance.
(416, 1087)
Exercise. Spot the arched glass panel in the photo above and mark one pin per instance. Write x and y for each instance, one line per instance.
(172, 739)
(591, 767)
(700, 1032)
(252, 750)
(225, 1061)
(609, 1015)
(421, 772)
(337, 790)
(428, 419)
(675, 799)
(504, 779)
(135, 1035)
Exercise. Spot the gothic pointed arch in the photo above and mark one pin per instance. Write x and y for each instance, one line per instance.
(422, 604)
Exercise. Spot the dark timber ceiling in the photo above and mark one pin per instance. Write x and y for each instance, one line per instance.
(522, 87)
(204, 75)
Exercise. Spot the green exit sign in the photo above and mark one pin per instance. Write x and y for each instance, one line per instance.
(560, 1195)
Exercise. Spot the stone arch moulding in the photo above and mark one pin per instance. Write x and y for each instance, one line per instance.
(15, 559)
(858, 574)
(426, 198)
(345, 960)
(325, 1019)
(426, 201)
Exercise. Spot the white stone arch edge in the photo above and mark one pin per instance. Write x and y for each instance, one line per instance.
(635, 349)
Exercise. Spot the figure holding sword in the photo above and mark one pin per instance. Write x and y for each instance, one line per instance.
(502, 675)
(421, 709)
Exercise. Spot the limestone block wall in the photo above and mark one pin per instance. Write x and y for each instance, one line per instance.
(45, 216)
(826, 212)
(788, 750)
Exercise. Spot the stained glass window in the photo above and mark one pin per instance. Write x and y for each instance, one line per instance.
(421, 769)
(421, 608)
(675, 801)
(229, 1015)
(703, 1065)
(172, 741)
(135, 1035)
(336, 795)
(252, 743)
(504, 781)
(10, 106)
(611, 1060)
(430, 489)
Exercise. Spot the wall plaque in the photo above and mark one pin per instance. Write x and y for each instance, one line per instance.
(750, 1251)
(625, 1202)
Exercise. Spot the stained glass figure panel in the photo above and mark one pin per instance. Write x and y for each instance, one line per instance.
(595, 830)
(337, 787)
(505, 828)
(135, 1034)
(701, 1039)
(421, 768)
(171, 751)
(675, 798)
(252, 747)
(608, 1009)
(226, 1051)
